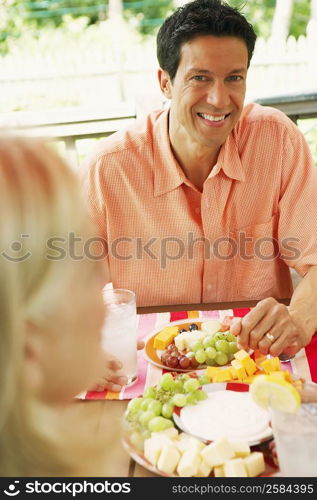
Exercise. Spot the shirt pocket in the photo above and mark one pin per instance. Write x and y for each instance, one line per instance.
(256, 259)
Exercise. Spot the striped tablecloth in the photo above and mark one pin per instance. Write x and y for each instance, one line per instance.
(304, 364)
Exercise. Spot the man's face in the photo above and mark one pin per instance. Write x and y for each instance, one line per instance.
(208, 91)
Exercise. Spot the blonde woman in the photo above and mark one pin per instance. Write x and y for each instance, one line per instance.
(51, 312)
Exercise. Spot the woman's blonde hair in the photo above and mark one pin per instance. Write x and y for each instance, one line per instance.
(39, 199)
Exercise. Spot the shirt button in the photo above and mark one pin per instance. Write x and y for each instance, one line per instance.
(197, 210)
(209, 286)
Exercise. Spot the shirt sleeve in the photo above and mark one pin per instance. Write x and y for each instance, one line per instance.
(297, 231)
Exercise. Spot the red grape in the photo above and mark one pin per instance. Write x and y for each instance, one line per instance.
(184, 362)
(171, 362)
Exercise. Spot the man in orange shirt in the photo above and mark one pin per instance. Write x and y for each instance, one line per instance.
(209, 200)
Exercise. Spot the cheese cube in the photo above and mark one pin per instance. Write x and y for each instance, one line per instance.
(268, 365)
(288, 376)
(254, 464)
(189, 464)
(172, 433)
(168, 458)
(244, 359)
(241, 448)
(233, 372)
(204, 469)
(211, 371)
(239, 370)
(217, 452)
(235, 468)
(222, 375)
(219, 471)
(276, 363)
(165, 337)
(153, 448)
(211, 326)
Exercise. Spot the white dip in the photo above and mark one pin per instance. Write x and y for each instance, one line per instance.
(227, 414)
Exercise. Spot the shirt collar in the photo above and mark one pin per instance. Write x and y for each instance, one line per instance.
(167, 173)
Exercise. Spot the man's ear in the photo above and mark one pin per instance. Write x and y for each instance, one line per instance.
(165, 83)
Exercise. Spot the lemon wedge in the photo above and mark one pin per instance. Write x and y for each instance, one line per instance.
(267, 390)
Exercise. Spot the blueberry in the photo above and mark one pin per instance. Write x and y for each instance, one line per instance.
(193, 327)
(182, 330)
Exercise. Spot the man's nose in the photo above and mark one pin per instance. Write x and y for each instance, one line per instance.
(218, 95)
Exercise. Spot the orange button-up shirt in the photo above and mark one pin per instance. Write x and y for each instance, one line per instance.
(172, 244)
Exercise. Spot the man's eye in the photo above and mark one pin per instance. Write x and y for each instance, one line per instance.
(235, 78)
(200, 78)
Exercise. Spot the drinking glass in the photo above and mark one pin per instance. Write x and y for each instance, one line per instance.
(295, 436)
(119, 333)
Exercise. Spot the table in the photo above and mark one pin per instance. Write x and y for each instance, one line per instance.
(102, 414)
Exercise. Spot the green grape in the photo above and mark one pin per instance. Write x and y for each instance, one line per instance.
(146, 434)
(208, 341)
(191, 399)
(150, 393)
(190, 354)
(230, 356)
(210, 362)
(196, 346)
(155, 407)
(158, 424)
(167, 382)
(231, 337)
(204, 379)
(145, 417)
(145, 403)
(220, 336)
(191, 385)
(179, 400)
(210, 352)
(134, 404)
(200, 356)
(233, 347)
(167, 410)
(221, 358)
(222, 346)
(185, 377)
(200, 395)
(179, 387)
(137, 440)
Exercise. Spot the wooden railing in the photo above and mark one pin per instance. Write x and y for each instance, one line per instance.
(72, 125)
(296, 106)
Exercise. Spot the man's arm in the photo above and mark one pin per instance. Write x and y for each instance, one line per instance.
(274, 328)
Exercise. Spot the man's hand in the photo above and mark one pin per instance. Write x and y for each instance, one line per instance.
(271, 328)
(110, 380)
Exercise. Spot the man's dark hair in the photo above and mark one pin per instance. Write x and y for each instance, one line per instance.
(198, 18)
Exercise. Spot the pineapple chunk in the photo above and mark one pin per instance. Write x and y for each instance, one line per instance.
(168, 458)
(235, 468)
(165, 337)
(191, 443)
(204, 469)
(219, 471)
(189, 463)
(222, 375)
(241, 449)
(217, 452)
(211, 326)
(248, 364)
(153, 448)
(254, 464)
(239, 370)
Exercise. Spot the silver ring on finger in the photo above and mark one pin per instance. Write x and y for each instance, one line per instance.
(270, 337)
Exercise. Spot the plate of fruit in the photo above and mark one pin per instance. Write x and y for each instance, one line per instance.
(154, 440)
(188, 345)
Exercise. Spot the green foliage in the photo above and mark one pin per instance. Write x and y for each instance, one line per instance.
(148, 14)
